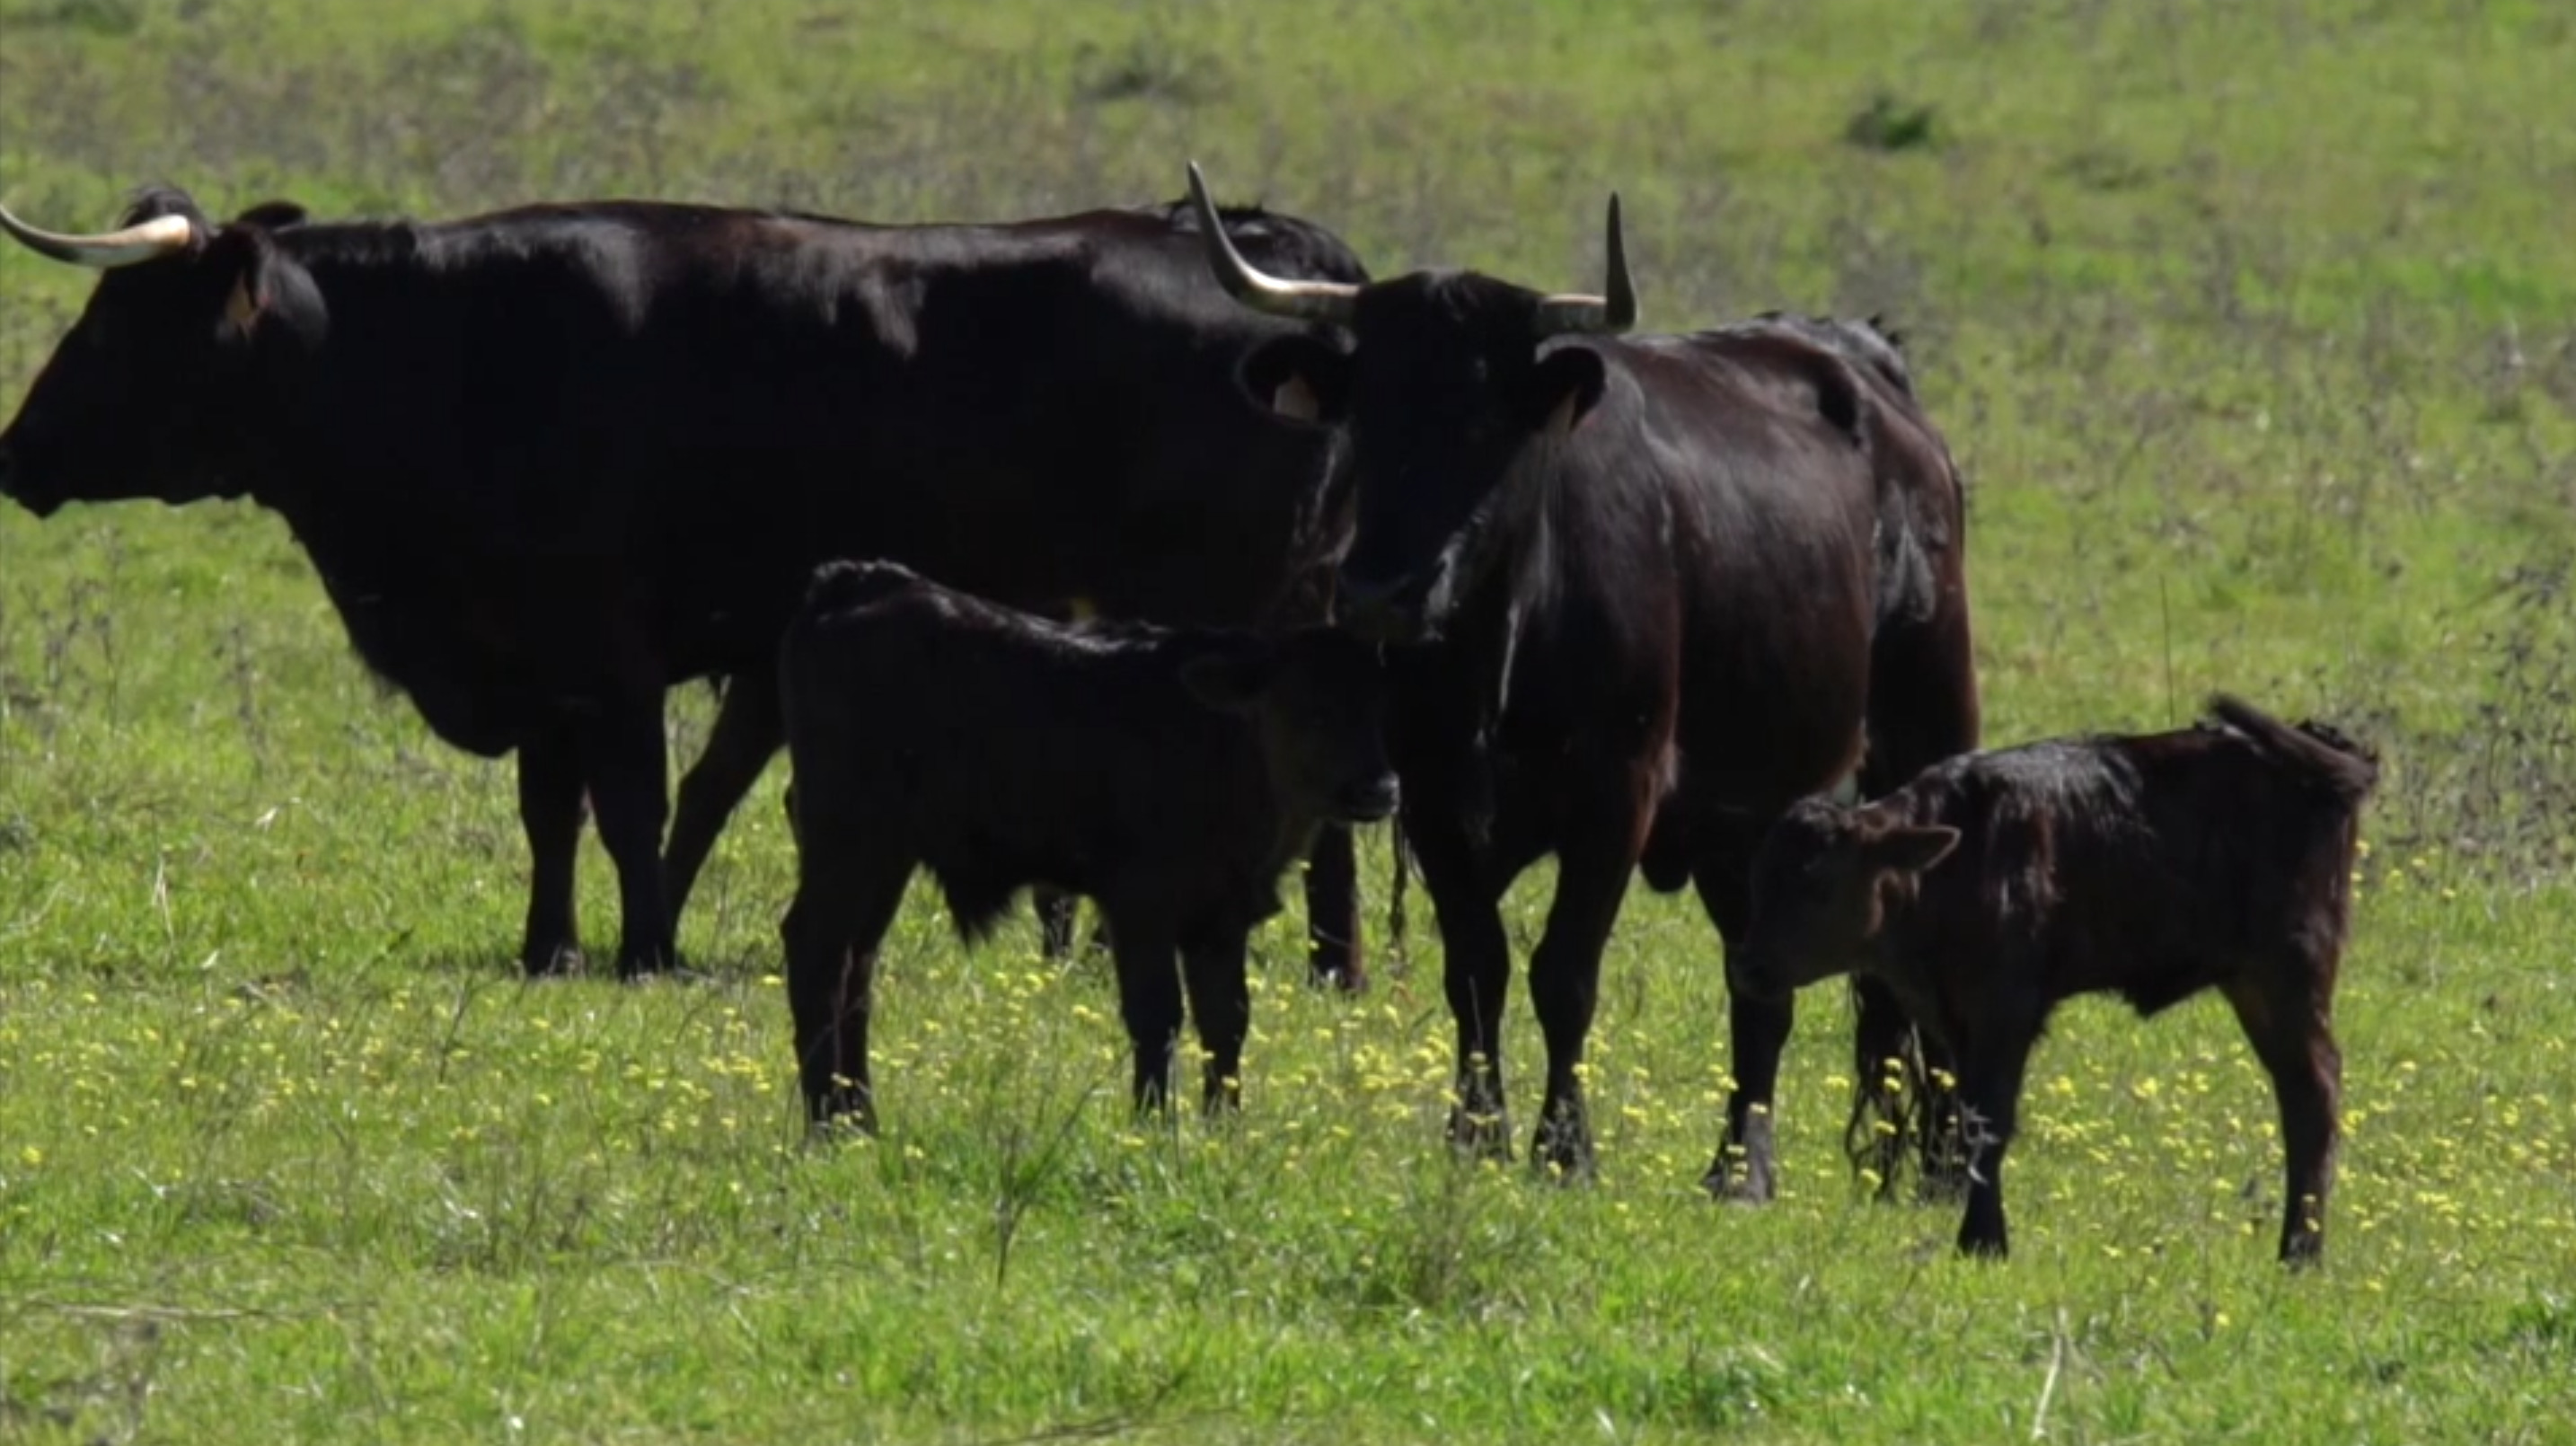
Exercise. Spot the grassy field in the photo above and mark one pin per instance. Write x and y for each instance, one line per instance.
(2254, 325)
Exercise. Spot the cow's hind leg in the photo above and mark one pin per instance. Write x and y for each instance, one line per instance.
(749, 731)
(832, 933)
(550, 809)
(1904, 1089)
(622, 757)
(1757, 1034)
(2292, 1032)
(1923, 708)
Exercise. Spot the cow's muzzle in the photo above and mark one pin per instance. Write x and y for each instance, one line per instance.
(1394, 611)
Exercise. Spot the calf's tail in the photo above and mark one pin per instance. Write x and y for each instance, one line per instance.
(2342, 765)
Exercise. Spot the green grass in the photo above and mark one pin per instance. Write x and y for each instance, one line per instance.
(2250, 322)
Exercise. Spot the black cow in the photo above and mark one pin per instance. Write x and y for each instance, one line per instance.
(1995, 886)
(550, 461)
(1654, 590)
(1169, 775)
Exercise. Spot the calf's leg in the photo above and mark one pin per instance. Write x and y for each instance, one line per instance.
(1333, 958)
(1758, 1033)
(550, 809)
(1058, 913)
(623, 760)
(749, 731)
(1990, 1104)
(2292, 1032)
(832, 933)
(1221, 1007)
(1149, 1000)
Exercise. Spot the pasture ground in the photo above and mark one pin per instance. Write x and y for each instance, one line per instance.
(2254, 324)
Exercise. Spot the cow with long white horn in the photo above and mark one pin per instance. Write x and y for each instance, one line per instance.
(550, 461)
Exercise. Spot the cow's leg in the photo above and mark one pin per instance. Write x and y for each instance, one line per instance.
(1221, 1007)
(2292, 1033)
(1923, 708)
(1592, 874)
(1991, 1069)
(622, 757)
(1757, 1034)
(1334, 958)
(749, 731)
(1466, 905)
(832, 933)
(1149, 1000)
(550, 809)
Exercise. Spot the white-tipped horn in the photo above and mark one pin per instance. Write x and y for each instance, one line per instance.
(142, 241)
(1603, 315)
(1315, 300)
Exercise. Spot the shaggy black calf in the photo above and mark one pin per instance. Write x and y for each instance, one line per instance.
(1169, 775)
(1995, 885)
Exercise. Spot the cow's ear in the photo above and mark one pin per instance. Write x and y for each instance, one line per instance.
(263, 291)
(1563, 388)
(1297, 379)
(1913, 849)
(1232, 679)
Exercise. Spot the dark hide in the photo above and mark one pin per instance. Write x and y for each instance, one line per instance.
(1650, 591)
(1169, 775)
(550, 461)
(1995, 886)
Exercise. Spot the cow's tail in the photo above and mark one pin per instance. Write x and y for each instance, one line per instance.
(2338, 763)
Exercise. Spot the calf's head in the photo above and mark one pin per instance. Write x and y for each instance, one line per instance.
(1318, 697)
(1455, 385)
(154, 390)
(1824, 883)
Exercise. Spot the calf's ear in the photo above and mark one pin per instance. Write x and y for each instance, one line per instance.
(1297, 379)
(1563, 388)
(1232, 679)
(1913, 849)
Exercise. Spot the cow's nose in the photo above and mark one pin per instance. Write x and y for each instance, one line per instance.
(5, 469)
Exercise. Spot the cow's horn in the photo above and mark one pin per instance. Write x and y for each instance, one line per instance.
(1316, 300)
(1605, 315)
(141, 241)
